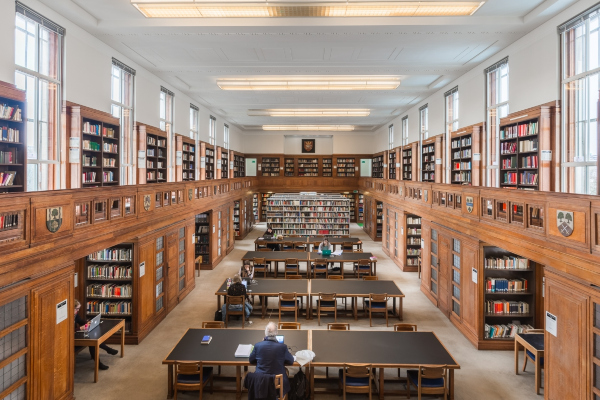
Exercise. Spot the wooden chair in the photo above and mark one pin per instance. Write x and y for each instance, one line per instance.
(336, 277)
(529, 355)
(289, 325)
(213, 324)
(261, 245)
(292, 265)
(338, 326)
(377, 303)
(370, 278)
(279, 387)
(260, 265)
(326, 302)
(191, 375)
(428, 380)
(355, 378)
(288, 302)
(363, 267)
(293, 277)
(287, 246)
(348, 247)
(235, 301)
(319, 266)
(265, 249)
(300, 246)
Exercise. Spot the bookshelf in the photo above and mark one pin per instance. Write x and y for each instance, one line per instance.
(298, 214)
(209, 164)
(156, 156)
(255, 208)
(270, 166)
(428, 161)
(392, 164)
(239, 166)
(188, 158)
(353, 209)
(288, 167)
(409, 161)
(327, 167)
(361, 208)
(509, 295)
(109, 284)
(434, 272)
(308, 167)
(160, 267)
(465, 155)
(519, 155)
(224, 164)
(413, 241)
(236, 217)
(202, 238)
(377, 167)
(13, 139)
(379, 221)
(345, 167)
(263, 205)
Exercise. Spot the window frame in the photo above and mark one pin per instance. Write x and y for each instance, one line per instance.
(128, 161)
(405, 131)
(212, 130)
(167, 98)
(391, 136)
(226, 136)
(451, 124)
(497, 109)
(423, 131)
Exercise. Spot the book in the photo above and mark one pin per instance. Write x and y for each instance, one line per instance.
(244, 350)
(206, 339)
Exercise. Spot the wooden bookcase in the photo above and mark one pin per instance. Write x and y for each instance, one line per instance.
(431, 150)
(264, 197)
(409, 161)
(188, 156)
(308, 167)
(327, 169)
(202, 236)
(239, 165)
(379, 220)
(224, 163)
(155, 142)
(209, 162)
(465, 151)
(392, 170)
(289, 167)
(377, 166)
(13, 139)
(255, 216)
(345, 167)
(361, 208)
(353, 209)
(270, 166)
(413, 242)
(236, 218)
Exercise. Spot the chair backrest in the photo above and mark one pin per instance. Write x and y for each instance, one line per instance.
(235, 300)
(358, 371)
(261, 243)
(293, 277)
(327, 296)
(279, 385)
(348, 246)
(188, 368)
(289, 325)
(287, 244)
(358, 250)
(338, 326)
(291, 261)
(405, 327)
(370, 278)
(287, 296)
(336, 277)
(320, 261)
(213, 324)
(364, 263)
(378, 297)
(259, 262)
(433, 372)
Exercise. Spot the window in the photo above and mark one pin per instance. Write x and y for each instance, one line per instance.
(212, 128)
(194, 121)
(226, 136)
(497, 107)
(122, 81)
(38, 59)
(166, 124)
(580, 84)
(451, 100)
(391, 136)
(405, 131)
(424, 122)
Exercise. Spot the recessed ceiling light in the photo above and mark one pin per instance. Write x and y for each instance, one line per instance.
(310, 112)
(311, 83)
(207, 9)
(308, 127)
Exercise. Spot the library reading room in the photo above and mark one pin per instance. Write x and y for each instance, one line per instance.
(299, 200)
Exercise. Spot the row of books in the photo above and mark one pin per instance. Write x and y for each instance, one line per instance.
(187, 157)
(201, 249)
(413, 221)
(152, 141)
(108, 176)
(109, 307)
(428, 149)
(188, 147)
(88, 177)
(461, 176)
(407, 153)
(151, 175)
(510, 132)
(509, 178)
(429, 176)
(504, 331)
(91, 145)
(503, 285)
(345, 160)
(310, 226)
(506, 262)
(9, 221)
(461, 142)
(412, 262)
(307, 203)
(309, 232)
(529, 178)
(413, 241)
(201, 239)
(461, 166)
(7, 178)
(530, 162)
(109, 290)
(96, 129)
(508, 148)
(413, 252)
(429, 158)
(466, 153)
(109, 272)
(112, 255)
(109, 162)
(509, 162)
(8, 157)
(9, 135)
(111, 147)
(339, 173)
(528, 145)
(413, 231)
(506, 307)
(307, 220)
(8, 112)
(90, 161)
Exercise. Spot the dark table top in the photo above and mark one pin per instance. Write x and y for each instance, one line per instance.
(224, 344)
(272, 286)
(354, 287)
(276, 255)
(105, 326)
(313, 239)
(379, 348)
(345, 256)
(285, 239)
(535, 340)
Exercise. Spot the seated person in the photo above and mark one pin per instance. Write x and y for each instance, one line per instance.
(247, 270)
(325, 245)
(80, 324)
(270, 356)
(238, 289)
(270, 234)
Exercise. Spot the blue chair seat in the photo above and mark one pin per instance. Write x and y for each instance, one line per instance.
(350, 381)
(291, 266)
(413, 376)
(325, 303)
(532, 356)
(376, 304)
(289, 303)
(364, 267)
(195, 379)
(320, 266)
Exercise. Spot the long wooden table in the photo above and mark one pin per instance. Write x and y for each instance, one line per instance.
(347, 257)
(96, 337)
(272, 242)
(276, 257)
(382, 349)
(334, 241)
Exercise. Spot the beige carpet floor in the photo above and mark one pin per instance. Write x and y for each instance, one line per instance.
(140, 374)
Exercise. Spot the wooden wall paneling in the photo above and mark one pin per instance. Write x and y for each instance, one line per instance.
(190, 267)
(470, 300)
(439, 155)
(595, 226)
(17, 235)
(40, 206)
(145, 306)
(445, 273)
(171, 270)
(426, 228)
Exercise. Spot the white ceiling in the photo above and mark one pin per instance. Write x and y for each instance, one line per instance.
(426, 52)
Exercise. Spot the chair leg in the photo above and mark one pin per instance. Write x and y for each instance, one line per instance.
(407, 387)
(524, 362)
(319, 314)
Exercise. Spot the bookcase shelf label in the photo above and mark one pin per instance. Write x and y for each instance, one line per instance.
(546, 155)
(74, 155)
(551, 323)
(474, 275)
(142, 269)
(61, 311)
(476, 156)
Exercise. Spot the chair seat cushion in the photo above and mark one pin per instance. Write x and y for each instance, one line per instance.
(532, 356)
(350, 381)
(376, 304)
(327, 303)
(289, 303)
(291, 266)
(195, 379)
(413, 376)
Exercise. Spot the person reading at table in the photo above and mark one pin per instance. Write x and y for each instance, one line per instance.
(271, 357)
(270, 234)
(81, 324)
(238, 289)
(247, 270)
(325, 245)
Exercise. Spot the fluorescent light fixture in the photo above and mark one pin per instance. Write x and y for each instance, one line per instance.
(338, 128)
(283, 9)
(311, 83)
(310, 112)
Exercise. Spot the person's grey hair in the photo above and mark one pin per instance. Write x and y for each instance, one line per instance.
(271, 330)
(236, 278)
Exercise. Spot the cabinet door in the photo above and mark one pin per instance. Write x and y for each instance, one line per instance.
(566, 354)
(172, 284)
(445, 274)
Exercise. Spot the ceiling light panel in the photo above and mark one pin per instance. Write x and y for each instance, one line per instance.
(310, 83)
(297, 112)
(201, 9)
(337, 128)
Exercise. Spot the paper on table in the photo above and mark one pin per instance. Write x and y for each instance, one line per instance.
(304, 356)
(244, 350)
(338, 252)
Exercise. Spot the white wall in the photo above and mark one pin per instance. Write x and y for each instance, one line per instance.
(340, 143)
(7, 33)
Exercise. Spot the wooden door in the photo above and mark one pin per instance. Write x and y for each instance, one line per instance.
(172, 270)
(445, 274)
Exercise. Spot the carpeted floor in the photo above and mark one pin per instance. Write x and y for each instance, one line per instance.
(140, 374)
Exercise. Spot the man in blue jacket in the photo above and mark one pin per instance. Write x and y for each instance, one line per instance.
(270, 356)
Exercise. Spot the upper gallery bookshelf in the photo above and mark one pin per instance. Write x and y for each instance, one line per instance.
(377, 166)
(289, 167)
(392, 164)
(13, 139)
(413, 241)
(224, 164)
(327, 170)
(524, 137)
(236, 217)
(308, 167)
(270, 166)
(155, 141)
(314, 214)
(466, 155)
(188, 158)
(379, 220)
(431, 152)
(239, 165)
(209, 162)
(409, 161)
(345, 167)
(202, 238)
